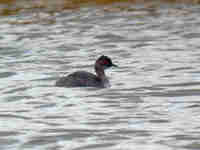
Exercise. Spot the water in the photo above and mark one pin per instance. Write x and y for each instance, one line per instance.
(154, 99)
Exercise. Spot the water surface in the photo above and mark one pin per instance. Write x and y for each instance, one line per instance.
(153, 102)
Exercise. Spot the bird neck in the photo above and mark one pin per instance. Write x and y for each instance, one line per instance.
(100, 71)
(101, 75)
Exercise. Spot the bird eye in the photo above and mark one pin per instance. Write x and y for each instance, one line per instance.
(105, 62)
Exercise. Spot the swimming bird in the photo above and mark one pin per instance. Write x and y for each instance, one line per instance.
(87, 79)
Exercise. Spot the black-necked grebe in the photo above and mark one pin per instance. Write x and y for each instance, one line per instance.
(83, 78)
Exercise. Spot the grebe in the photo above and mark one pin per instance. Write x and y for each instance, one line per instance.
(86, 79)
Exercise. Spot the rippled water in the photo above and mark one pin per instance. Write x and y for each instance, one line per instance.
(154, 99)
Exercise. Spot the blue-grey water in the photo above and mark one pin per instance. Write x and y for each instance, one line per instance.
(154, 100)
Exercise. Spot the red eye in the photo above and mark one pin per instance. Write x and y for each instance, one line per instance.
(105, 62)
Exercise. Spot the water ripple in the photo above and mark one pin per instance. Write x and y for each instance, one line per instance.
(153, 101)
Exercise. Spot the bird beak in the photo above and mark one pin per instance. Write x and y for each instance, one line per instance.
(113, 65)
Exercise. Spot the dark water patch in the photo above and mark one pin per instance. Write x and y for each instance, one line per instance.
(69, 136)
(175, 93)
(152, 67)
(129, 132)
(10, 52)
(110, 36)
(141, 88)
(35, 102)
(96, 146)
(192, 35)
(185, 101)
(9, 133)
(114, 138)
(195, 72)
(158, 121)
(7, 74)
(193, 106)
(47, 85)
(45, 140)
(17, 98)
(46, 95)
(180, 69)
(55, 117)
(45, 106)
(71, 131)
(99, 122)
(16, 90)
(121, 52)
(109, 46)
(33, 35)
(11, 116)
(117, 97)
(186, 84)
(123, 96)
(184, 137)
(193, 146)
(22, 111)
(140, 45)
(7, 142)
(173, 49)
(168, 76)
